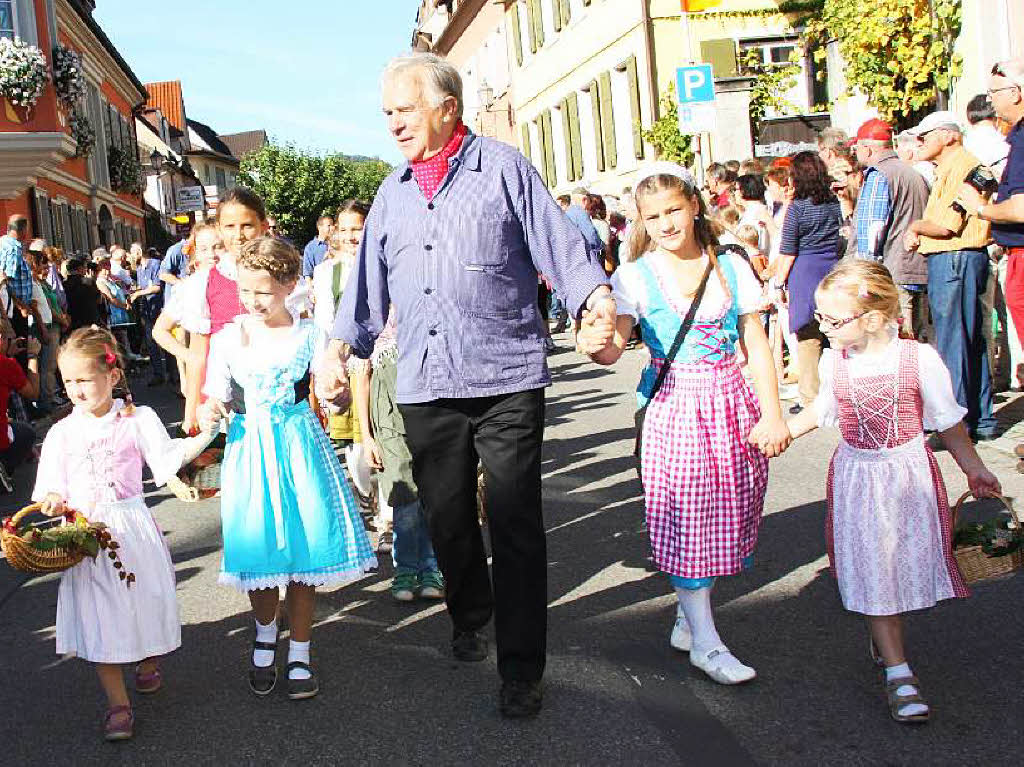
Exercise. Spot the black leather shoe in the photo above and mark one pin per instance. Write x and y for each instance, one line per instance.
(520, 699)
(469, 647)
(263, 679)
(300, 689)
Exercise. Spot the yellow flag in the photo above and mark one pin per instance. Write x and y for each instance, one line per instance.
(691, 6)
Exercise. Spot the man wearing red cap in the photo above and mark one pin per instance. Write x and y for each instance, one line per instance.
(893, 196)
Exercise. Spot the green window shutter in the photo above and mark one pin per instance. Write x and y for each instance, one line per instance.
(531, 24)
(595, 106)
(517, 34)
(572, 105)
(721, 55)
(567, 134)
(564, 10)
(525, 130)
(538, 23)
(608, 121)
(634, 107)
(549, 150)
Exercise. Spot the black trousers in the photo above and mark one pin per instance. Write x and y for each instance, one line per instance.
(447, 437)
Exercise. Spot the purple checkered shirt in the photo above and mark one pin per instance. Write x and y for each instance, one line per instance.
(461, 272)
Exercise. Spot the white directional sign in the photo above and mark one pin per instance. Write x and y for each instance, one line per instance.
(189, 198)
(695, 86)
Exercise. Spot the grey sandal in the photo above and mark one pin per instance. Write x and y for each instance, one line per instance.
(299, 689)
(262, 679)
(897, 701)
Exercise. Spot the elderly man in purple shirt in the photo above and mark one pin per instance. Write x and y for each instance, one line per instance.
(453, 244)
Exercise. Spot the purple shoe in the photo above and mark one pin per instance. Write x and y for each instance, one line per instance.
(119, 723)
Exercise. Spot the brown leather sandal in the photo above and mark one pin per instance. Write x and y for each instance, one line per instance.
(897, 701)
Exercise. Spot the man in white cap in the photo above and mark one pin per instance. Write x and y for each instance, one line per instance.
(955, 243)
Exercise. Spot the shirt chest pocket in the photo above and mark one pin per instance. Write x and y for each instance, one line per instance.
(484, 241)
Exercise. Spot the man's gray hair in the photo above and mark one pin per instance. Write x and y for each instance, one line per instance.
(832, 138)
(439, 78)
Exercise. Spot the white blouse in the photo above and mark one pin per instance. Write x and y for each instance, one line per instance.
(629, 287)
(941, 410)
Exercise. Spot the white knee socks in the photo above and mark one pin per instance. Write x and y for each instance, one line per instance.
(695, 606)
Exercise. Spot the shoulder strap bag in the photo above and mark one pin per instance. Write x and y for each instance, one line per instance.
(684, 328)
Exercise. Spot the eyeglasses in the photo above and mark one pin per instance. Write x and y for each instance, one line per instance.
(824, 319)
(990, 91)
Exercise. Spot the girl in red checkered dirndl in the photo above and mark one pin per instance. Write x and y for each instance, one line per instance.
(888, 525)
(706, 436)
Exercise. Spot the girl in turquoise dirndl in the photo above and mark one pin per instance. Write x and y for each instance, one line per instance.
(289, 518)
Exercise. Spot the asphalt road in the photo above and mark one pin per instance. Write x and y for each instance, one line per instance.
(616, 693)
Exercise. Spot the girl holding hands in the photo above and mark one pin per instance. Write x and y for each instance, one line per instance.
(289, 518)
(888, 526)
(702, 523)
(91, 462)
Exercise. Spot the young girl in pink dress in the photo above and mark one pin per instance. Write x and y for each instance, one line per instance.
(888, 524)
(91, 462)
(706, 434)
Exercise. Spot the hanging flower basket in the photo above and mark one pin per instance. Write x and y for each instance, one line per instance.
(83, 133)
(23, 72)
(68, 80)
(125, 173)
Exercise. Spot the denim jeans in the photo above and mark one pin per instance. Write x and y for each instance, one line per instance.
(412, 550)
(557, 307)
(956, 285)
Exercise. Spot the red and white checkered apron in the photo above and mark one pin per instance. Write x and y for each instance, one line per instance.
(888, 526)
(704, 485)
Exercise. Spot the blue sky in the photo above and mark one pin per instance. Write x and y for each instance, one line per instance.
(305, 70)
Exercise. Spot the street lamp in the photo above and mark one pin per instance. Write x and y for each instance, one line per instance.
(156, 161)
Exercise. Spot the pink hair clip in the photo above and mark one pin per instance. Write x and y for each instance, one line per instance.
(109, 357)
(863, 291)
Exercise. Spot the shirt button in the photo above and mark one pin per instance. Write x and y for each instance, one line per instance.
(428, 291)
(430, 206)
(428, 247)
(433, 332)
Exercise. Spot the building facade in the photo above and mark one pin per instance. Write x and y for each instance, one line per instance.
(74, 202)
(581, 80)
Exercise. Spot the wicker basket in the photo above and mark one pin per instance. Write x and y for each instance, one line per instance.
(974, 563)
(23, 556)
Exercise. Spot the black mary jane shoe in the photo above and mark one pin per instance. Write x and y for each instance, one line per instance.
(262, 679)
(300, 689)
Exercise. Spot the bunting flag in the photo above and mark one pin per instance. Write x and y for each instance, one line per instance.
(692, 6)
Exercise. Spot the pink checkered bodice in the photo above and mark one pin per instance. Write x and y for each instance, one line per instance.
(880, 411)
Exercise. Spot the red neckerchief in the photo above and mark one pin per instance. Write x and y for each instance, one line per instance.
(430, 173)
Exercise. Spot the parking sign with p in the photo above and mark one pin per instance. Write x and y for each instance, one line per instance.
(695, 87)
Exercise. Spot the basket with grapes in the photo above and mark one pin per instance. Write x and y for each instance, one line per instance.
(36, 549)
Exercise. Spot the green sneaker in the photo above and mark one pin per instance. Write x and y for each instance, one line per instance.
(403, 587)
(431, 585)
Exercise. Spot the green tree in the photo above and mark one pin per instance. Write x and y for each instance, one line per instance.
(664, 135)
(899, 53)
(298, 186)
(771, 84)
